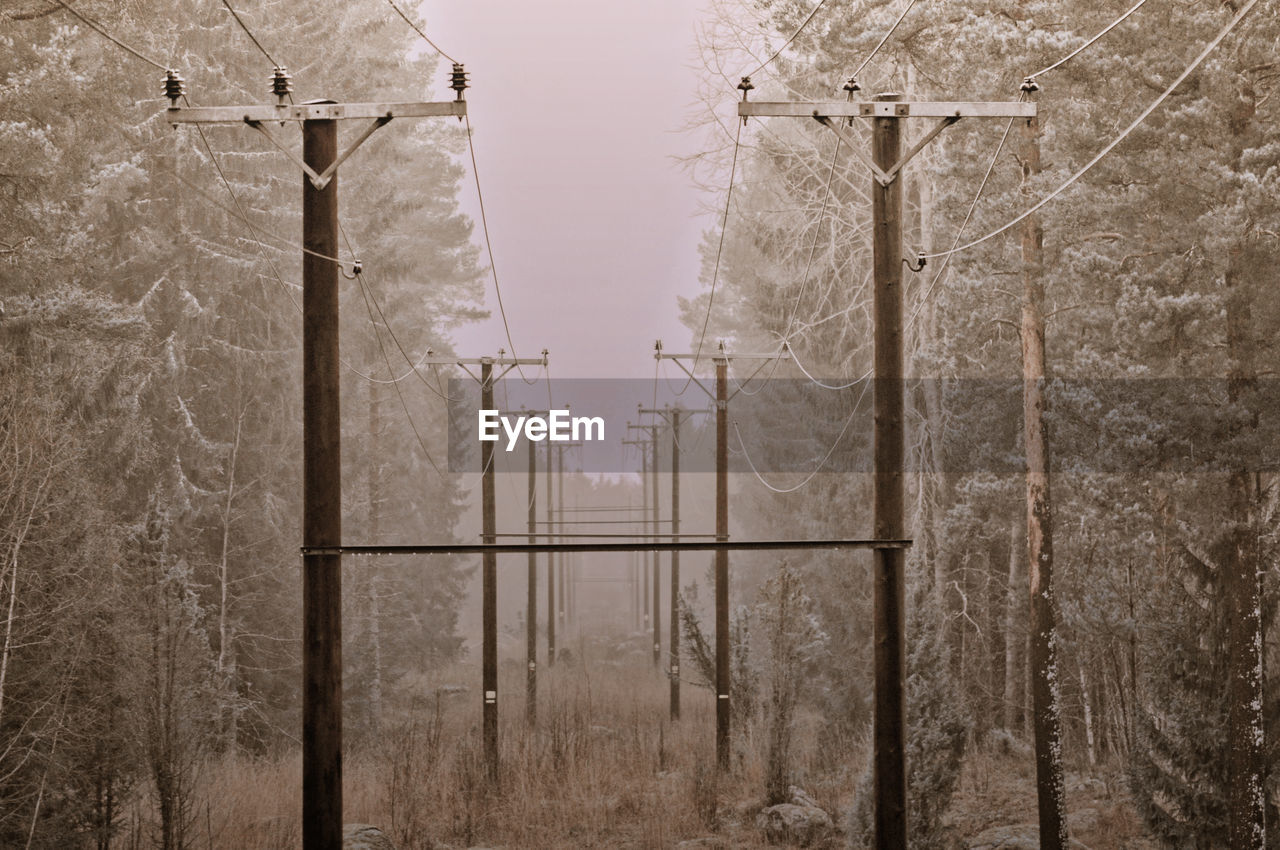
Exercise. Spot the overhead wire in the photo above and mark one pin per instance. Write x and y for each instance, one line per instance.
(715, 274)
(787, 43)
(364, 294)
(100, 30)
(252, 37)
(488, 243)
(1065, 59)
(830, 451)
(937, 276)
(885, 38)
(420, 33)
(1146, 113)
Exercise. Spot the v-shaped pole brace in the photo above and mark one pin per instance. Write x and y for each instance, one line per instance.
(319, 180)
(884, 178)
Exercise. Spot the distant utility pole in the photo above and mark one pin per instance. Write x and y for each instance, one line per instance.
(673, 416)
(645, 447)
(721, 396)
(531, 595)
(652, 527)
(886, 112)
(551, 572)
(563, 612)
(321, 426)
(489, 530)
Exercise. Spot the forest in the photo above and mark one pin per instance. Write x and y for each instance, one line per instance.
(1090, 470)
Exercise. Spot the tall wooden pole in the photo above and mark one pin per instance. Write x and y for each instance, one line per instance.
(675, 565)
(531, 600)
(551, 573)
(489, 581)
(560, 589)
(654, 525)
(1044, 663)
(722, 564)
(889, 733)
(644, 484)
(322, 501)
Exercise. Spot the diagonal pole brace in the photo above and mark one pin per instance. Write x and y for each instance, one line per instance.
(884, 178)
(881, 176)
(320, 180)
(293, 157)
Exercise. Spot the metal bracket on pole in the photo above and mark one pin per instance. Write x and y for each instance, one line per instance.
(883, 177)
(319, 181)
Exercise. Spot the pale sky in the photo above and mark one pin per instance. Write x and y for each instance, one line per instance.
(578, 108)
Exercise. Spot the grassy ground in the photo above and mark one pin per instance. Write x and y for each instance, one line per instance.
(604, 768)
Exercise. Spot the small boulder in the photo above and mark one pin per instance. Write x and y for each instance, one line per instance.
(800, 797)
(791, 824)
(1024, 836)
(362, 836)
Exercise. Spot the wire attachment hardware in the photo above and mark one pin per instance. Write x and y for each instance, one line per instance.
(174, 87)
(920, 263)
(745, 87)
(1029, 85)
(458, 79)
(281, 84)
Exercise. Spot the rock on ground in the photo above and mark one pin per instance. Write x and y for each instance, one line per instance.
(791, 824)
(362, 836)
(1024, 836)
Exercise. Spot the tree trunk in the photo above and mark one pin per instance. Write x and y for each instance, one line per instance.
(1043, 658)
(1014, 649)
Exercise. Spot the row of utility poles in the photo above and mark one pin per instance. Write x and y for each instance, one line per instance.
(322, 539)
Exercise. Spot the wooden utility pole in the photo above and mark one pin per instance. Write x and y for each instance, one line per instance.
(489, 581)
(722, 397)
(651, 527)
(675, 566)
(321, 428)
(889, 731)
(642, 570)
(551, 573)
(322, 498)
(488, 531)
(531, 595)
(886, 164)
(531, 600)
(1047, 721)
(672, 416)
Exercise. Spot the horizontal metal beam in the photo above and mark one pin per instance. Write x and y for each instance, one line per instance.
(313, 112)
(656, 546)
(886, 109)
(641, 535)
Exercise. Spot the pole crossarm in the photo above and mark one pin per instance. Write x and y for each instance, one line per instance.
(501, 360)
(885, 109)
(722, 357)
(320, 111)
(666, 545)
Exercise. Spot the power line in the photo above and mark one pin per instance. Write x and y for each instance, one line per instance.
(96, 27)
(420, 33)
(963, 224)
(493, 267)
(364, 293)
(785, 44)
(1112, 145)
(249, 33)
(825, 457)
(715, 274)
(1088, 43)
(885, 38)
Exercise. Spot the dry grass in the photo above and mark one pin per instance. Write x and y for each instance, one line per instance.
(604, 768)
